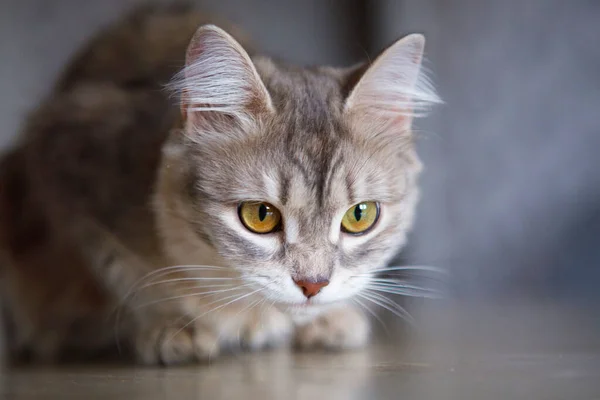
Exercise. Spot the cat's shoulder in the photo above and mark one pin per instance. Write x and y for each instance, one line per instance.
(144, 48)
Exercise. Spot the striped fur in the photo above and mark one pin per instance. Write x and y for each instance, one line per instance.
(124, 205)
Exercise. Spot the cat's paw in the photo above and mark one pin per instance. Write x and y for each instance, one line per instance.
(338, 329)
(174, 345)
(269, 328)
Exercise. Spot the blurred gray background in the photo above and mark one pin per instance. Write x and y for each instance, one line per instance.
(511, 199)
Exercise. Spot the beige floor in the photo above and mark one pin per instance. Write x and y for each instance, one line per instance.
(522, 352)
(380, 373)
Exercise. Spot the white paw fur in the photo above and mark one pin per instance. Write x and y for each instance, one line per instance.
(271, 328)
(338, 329)
(170, 345)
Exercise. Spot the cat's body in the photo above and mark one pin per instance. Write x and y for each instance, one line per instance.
(112, 186)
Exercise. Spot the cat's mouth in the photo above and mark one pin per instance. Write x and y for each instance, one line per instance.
(305, 309)
(300, 306)
(301, 311)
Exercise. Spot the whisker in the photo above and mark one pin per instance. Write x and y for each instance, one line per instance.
(162, 272)
(423, 268)
(120, 304)
(254, 304)
(169, 270)
(263, 307)
(181, 268)
(412, 288)
(373, 313)
(133, 290)
(399, 284)
(403, 292)
(249, 306)
(214, 285)
(226, 298)
(195, 318)
(213, 302)
(213, 309)
(195, 294)
(386, 300)
(389, 305)
(189, 279)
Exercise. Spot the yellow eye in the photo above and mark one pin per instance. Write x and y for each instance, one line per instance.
(360, 217)
(259, 217)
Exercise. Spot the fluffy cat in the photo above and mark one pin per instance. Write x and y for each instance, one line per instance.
(254, 212)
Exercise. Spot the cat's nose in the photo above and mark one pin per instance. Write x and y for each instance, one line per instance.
(309, 288)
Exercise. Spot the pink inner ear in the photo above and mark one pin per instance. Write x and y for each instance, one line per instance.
(394, 87)
(402, 119)
(193, 51)
(183, 107)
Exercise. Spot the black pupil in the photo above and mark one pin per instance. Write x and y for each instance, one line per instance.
(262, 212)
(358, 211)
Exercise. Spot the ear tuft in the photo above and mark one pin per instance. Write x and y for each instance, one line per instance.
(219, 77)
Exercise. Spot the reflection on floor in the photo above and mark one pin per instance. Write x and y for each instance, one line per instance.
(524, 353)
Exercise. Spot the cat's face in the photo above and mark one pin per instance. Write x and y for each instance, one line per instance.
(299, 183)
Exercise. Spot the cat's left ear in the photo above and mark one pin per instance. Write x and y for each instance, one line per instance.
(393, 89)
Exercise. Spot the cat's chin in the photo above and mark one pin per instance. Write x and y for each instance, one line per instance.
(303, 312)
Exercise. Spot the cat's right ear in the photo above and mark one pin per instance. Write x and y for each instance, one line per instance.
(219, 82)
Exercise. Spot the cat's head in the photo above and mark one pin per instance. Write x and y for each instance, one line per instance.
(302, 179)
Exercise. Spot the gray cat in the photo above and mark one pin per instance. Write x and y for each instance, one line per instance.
(257, 212)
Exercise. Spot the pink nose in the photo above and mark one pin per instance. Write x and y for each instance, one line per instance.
(311, 289)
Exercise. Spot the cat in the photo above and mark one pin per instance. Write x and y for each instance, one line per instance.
(254, 211)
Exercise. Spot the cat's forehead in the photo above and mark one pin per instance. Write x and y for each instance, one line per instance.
(309, 99)
(308, 124)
